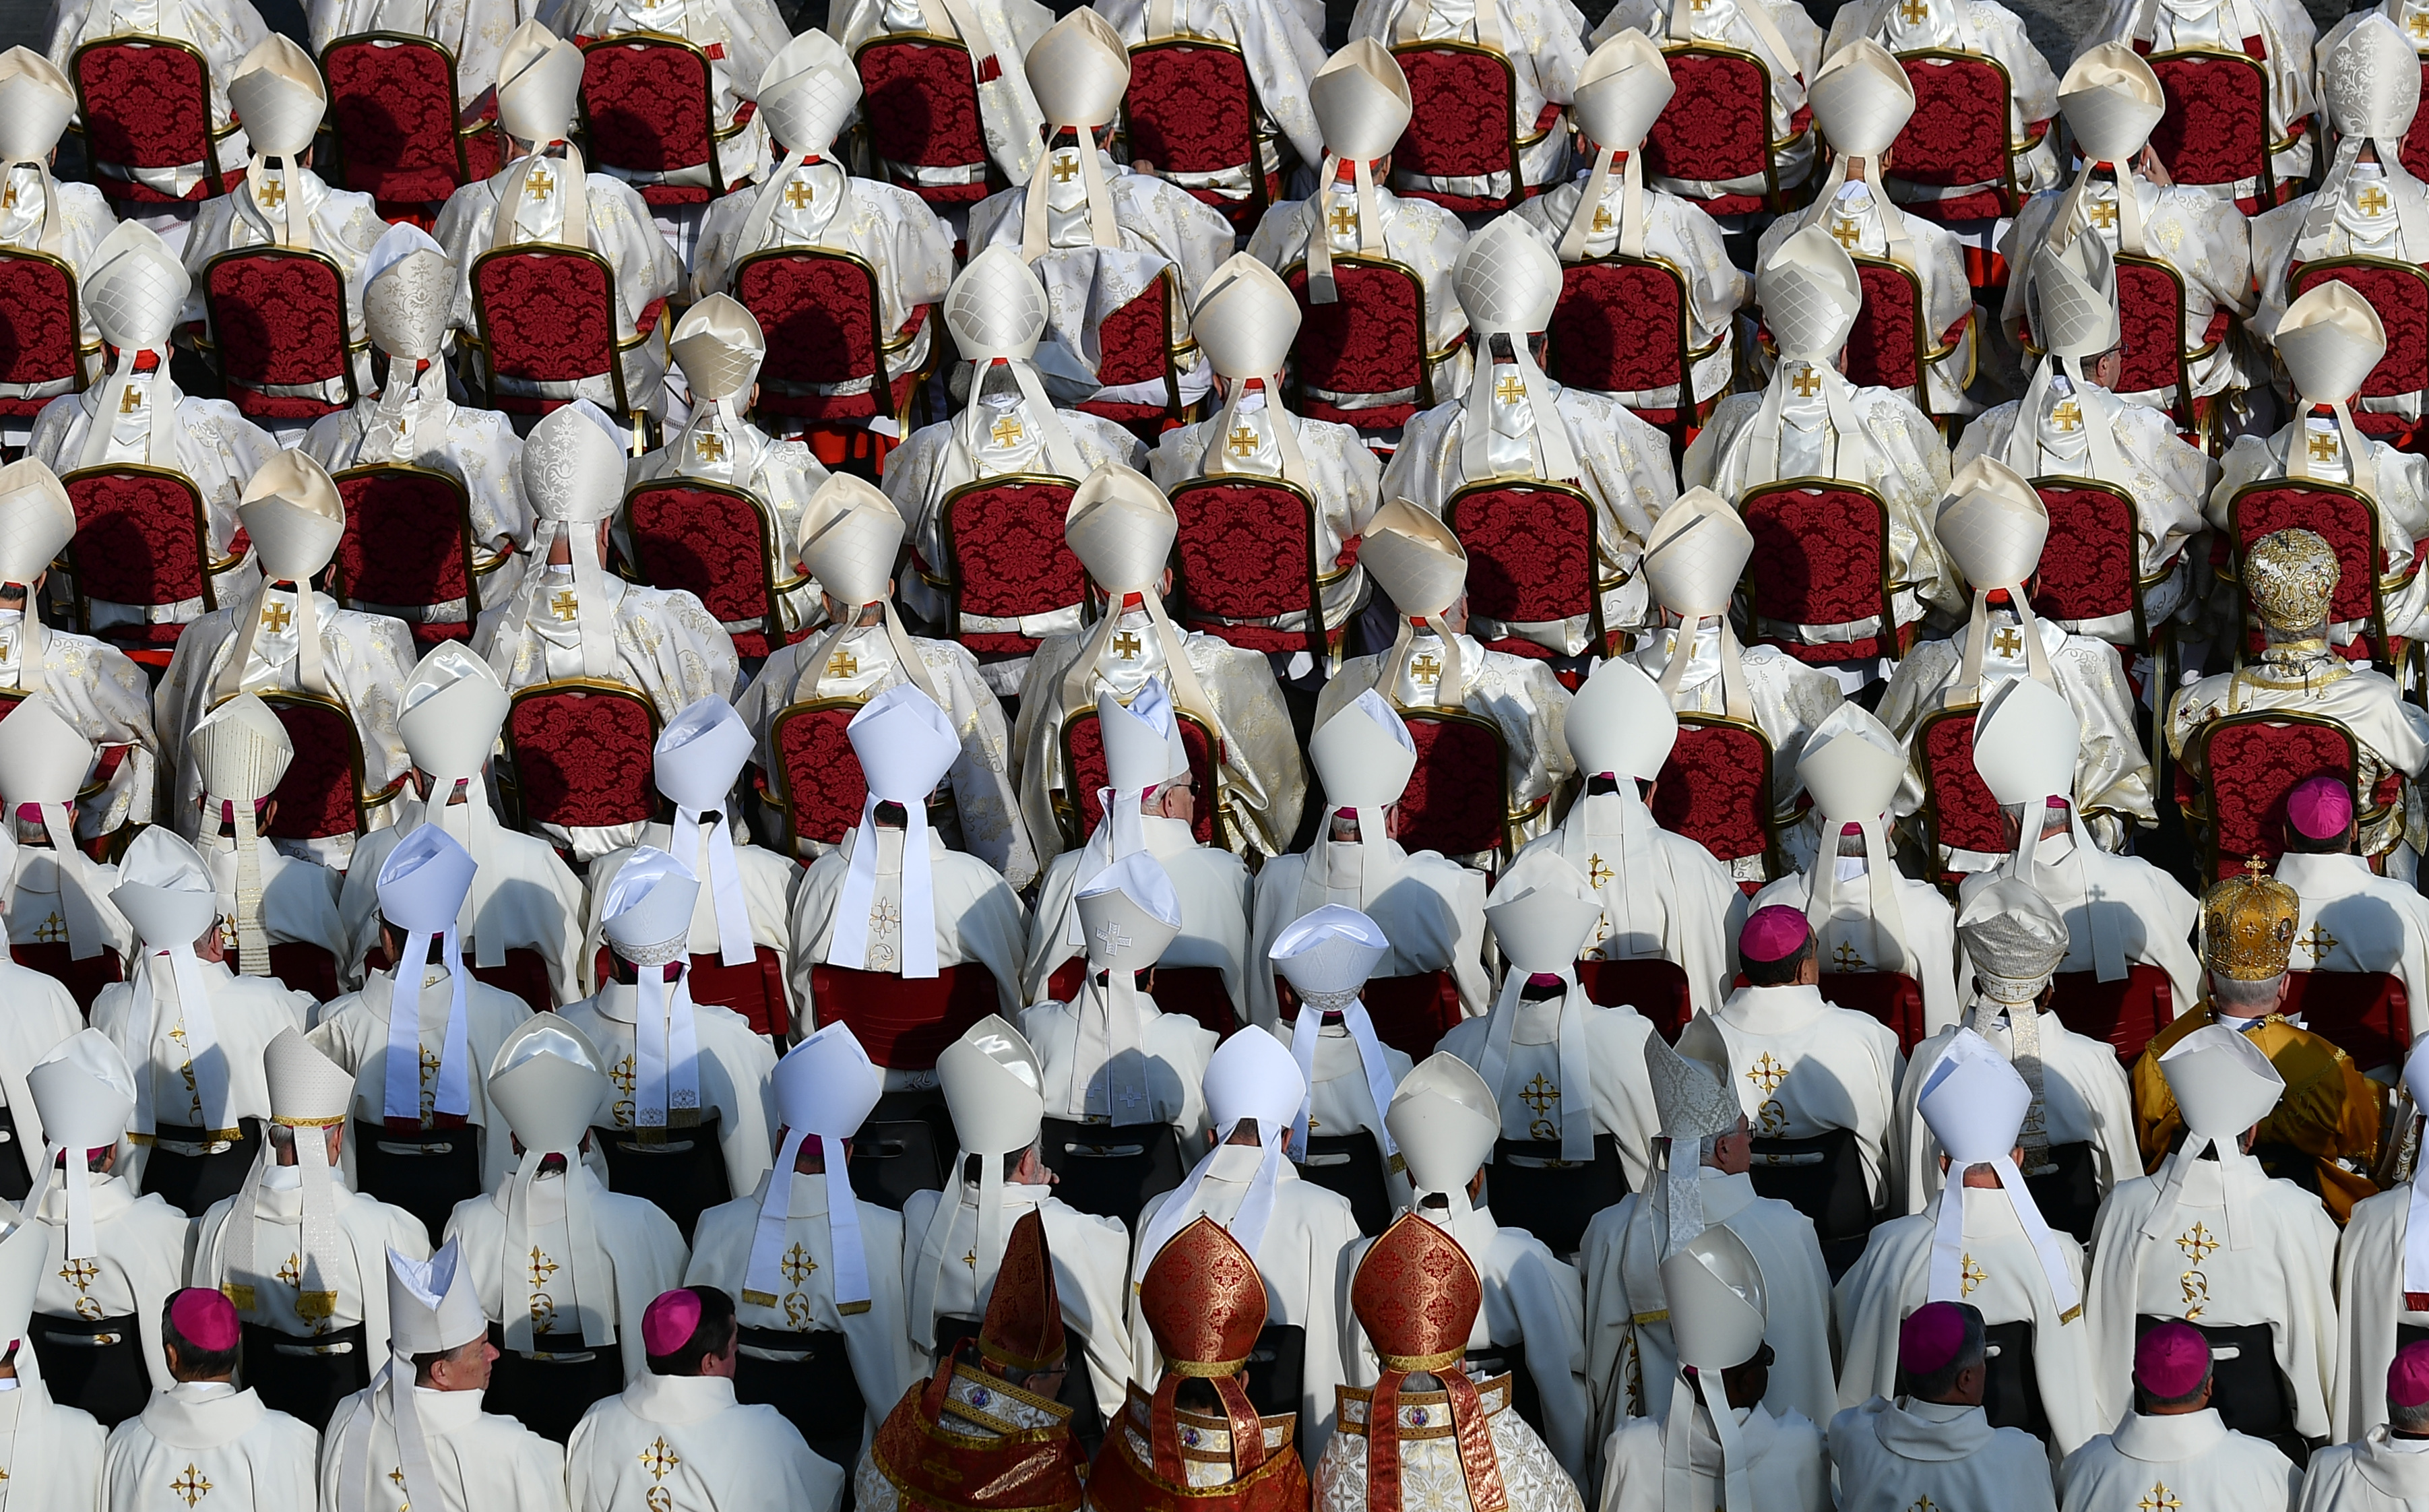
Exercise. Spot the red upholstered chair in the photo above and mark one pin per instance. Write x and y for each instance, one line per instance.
(1410, 1013)
(145, 102)
(714, 541)
(1715, 790)
(1246, 551)
(277, 315)
(1821, 556)
(1622, 325)
(1891, 997)
(2348, 521)
(2368, 1015)
(1465, 124)
(580, 750)
(2127, 1013)
(2416, 142)
(1369, 341)
(40, 325)
(920, 95)
(323, 792)
(55, 958)
(1458, 798)
(2400, 293)
(142, 538)
(398, 122)
(1082, 745)
(754, 989)
(2090, 569)
(1958, 135)
(1531, 557)
(2215, 129)
(304, 968)
(903, 1022)
(547, 314)
(2151, 312)
(1717, 126)
(1655, 987)
(824, 325)
(1135, 344)
(1890, 346)
(1005, 558)
(408, 544)
(1191, 108)
(824, 787)
(2249, 763)
(649, 107)
(1960, 812)
(1196, 992)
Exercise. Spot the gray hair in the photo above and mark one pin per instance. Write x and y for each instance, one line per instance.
(2259, 997)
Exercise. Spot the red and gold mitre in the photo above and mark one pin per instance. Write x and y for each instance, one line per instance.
(1023, 1327)
(1204, 1301)
(1417, 1293)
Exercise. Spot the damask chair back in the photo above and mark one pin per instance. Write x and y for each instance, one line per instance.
(397, 124)
(2151, 313)
(580, 750)
(824, 323)
(920, 99)
(1893, 997)
(1410, 1013)
(1717, 126)
(1247, 550)
(1135, 346)
(2090, 566)
(1531, 554)
(1655, 987)
(323, 793)
(1077, 803)
(2400, 293)
(1194, 992)
(1715, 790)
(547, 314)
(277, 317)
(2416, 140)
(1005, 558)
(1191, 108)
(649, 107)
(42, 325)
(2348, 521)
(2215, 129)
(1821, 556)
(824, 788)
(1957, 135)
(1890, 345)
(1465, 124)
(1960, 814)
(143, 538)
(2123, 1014)
(1356, 357)
(1622, 325)
(408, 544)
(1458, 797)
(145, 102)
(2249, 763)
(714, 541)
(903, 1022)
(2365, 1014)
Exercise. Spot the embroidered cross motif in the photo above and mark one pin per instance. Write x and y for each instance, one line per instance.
(79, 1273)
(1543, 1096)
(1969, 1275)
(1066, 168)
(1846, 957)
(658, 1459)
(2319, 942)
(2196, 1243)
(798, 1266)
(1426, 668)
(1603, 224)
(2103, 214)
(541, 1268)
(1924, 1504)
(292, 1271)
(2195, 1288)
(1005, 431)
(1847, 233)
(52, 930)
(1767, 1073)
(2419, 27)
(1914, 12)
(9, 199)
(430, 1067)
(624, 1076)
(1597, 873)
(971, 1260)
(275, 616)
(398, 1476)
(2372, 201)
(2324, 447)
(1509, 388)
(710, 449)
(1808, 383)
(1343, 219)
(2160, 1499)
(2007, 642)
(1126, 646)
(1111, 940)
(798, 195)
(537, 184)
(843, 664)
(564, 604)
(2067, 416)
(130, 401)
(274, 194)
(193, 1486)
(1242, 441)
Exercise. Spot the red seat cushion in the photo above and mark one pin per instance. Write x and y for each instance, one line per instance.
(1457, 798)
(2089, 562)
(138, 537)
(1619, 327)
(38, 326)
(1715, 790)
(1965, 816)
(1008, 551)
(279, 317)
(547, 316)
(1717, 125)
(822, 777)
(903, 1022)
(2215, 129)
(1531, 557)
(1087, 776)
(1958, 132)
(317, 797)
(647, 104)
(1370, 340)
(145, 106)
(582, 759)
(922, 102)
(393, 111)
(403, 541)
(2253, 764)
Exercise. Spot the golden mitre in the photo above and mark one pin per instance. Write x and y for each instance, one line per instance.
(2248, 925)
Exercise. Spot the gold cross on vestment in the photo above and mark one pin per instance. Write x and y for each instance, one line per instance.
(2007, 642)
(798, 194)
(2103, 213)
(274, 194)
(79, 1273)
(275, 618)
(9, 198)
(1425, 668)
(1603, 224)
(564, 604)
(2319, 942)
(193, 1486)
(51, 930)
(1343, 220)
(130, 400)
(2419, 27)
(1242, 441)
(658, 1459)
(2324, 447)
(2372, 201)
(1597, 873)
(1914, 12)
(541, 1268)
(537, 184)
(624, 1076)
(1846, 957)
(1847, 233)
(2067, 416)
(292, 1271)
(1767, 1073)
(843, 664)
(971, 1260)
(1924, 1504)
(1541, 1094)
(1509, 388)
(398, 1476)
(1066, 168)
(1807, 383)
(1005, 431)
(1127, 646)
(2196, 1243)
(2160, 1499)
(1970, 1275)
(798, 1266)
(709, 448)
